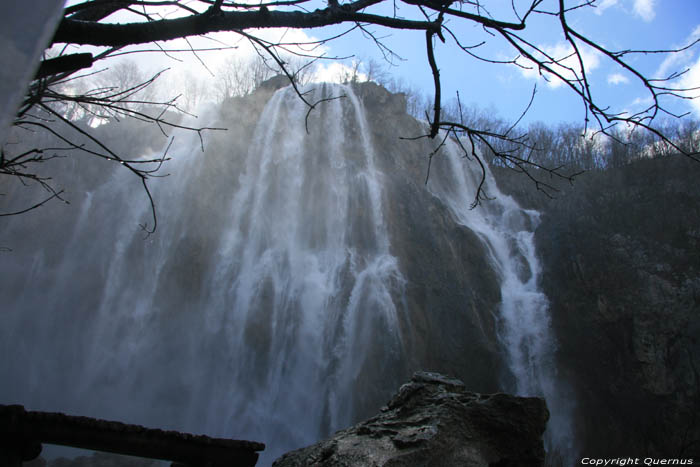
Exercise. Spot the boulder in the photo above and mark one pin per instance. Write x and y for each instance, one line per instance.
(434, 421)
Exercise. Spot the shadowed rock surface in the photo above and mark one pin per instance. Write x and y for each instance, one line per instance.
(621, 268)
(434, 421)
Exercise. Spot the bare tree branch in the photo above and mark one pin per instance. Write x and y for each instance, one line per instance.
(153, 21)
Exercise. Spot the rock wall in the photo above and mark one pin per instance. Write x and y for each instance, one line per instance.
(621, 267)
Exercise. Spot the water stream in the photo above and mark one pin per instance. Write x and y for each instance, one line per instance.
(525, 331)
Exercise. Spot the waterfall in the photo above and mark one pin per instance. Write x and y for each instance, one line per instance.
(274, 337)
(271, 304)
(508, 232)
(313, 276)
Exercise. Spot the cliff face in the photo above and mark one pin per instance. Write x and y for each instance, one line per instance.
(621, 268)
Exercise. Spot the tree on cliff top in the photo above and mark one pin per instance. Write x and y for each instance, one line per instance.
(88, 23)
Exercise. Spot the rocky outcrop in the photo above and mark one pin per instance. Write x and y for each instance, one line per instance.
(433, 420)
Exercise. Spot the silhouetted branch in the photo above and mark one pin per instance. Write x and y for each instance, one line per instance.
(102, 103)
(152, 21)
(37, 205)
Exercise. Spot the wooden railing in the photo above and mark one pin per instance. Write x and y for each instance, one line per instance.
(22, 433)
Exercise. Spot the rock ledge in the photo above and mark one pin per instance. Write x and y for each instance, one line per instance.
(434, 421)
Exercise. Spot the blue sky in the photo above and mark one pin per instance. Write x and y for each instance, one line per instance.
(505, 89)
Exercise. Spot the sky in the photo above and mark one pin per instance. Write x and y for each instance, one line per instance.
(505, 89)
(615, 24)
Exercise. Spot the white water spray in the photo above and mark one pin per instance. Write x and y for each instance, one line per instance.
(259, 328)
(313, 274)
(507, 230)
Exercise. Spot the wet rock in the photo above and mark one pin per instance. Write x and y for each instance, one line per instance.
(275, 83)
(433, 420)
(380, 101)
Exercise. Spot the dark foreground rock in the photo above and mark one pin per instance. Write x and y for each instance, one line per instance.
(434, 421)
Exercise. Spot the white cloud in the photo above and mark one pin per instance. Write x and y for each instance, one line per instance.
(692, 80)
(681, 61)
(604, 5)
(337, 72)
(678, 61)
(645, 9)
(617, 78)
(567, 64)
(645, 101)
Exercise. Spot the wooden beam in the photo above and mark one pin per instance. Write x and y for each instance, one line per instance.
(19, 427)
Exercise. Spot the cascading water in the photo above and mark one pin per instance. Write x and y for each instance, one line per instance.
(301, 280)
(276, 300)
(307, 248)
(508, 232)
